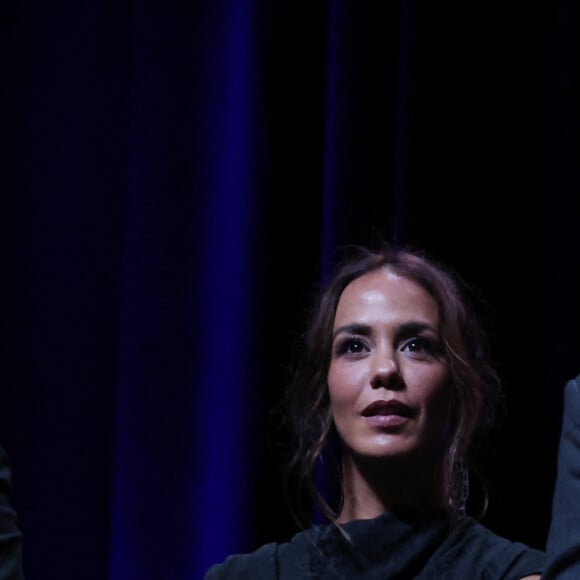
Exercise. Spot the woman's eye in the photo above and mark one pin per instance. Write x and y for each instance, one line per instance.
(419, 344)
(351, 346)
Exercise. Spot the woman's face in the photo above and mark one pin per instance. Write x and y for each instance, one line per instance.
(388, 380)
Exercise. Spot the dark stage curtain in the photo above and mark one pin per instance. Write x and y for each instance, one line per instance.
(176, 178)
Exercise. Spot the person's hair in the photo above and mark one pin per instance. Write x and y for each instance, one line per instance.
(474, 383)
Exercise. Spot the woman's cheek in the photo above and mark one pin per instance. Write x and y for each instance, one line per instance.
(345, 383)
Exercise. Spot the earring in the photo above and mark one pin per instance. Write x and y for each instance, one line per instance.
(461, 488)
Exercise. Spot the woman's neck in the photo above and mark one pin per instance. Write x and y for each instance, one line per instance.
(371, 487)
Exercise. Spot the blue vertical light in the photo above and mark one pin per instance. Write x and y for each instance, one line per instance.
(223, 414)
(183, 463)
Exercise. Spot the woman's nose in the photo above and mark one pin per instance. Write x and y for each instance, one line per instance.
(385, 372)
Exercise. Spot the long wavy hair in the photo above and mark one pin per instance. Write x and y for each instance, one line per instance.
(475, 386)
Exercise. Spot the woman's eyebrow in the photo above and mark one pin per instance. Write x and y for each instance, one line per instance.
(414, 326)
(406, 328)
(355, 328)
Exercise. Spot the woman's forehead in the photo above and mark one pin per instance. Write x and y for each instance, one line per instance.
(383, 294)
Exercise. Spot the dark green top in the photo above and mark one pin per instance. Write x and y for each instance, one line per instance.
(387, 547)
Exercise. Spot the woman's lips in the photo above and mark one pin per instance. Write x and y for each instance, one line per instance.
(387, 413)
(386, 421)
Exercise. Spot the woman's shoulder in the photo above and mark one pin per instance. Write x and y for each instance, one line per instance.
(476, 546)
(258, 564)
(264, 563)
